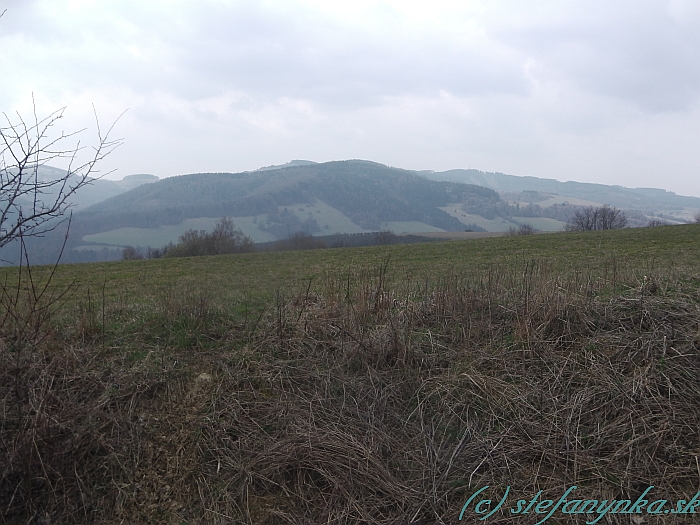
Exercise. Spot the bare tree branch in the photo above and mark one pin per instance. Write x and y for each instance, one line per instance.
(32, 205)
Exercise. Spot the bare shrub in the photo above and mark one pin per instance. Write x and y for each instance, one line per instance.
(131, 254)
(601, 218)
(32, 204)
(224, 239)
(656, 222)
(523, 229)
(155, 253)
(49, 443)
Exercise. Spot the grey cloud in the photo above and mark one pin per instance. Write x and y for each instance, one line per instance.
(635, 51)
(201, 50)
(70, 54)
(298, 55)
(638, 51)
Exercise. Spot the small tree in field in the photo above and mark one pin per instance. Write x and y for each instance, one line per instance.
(697, 217)
(602, 218)
(523, 229)
(225, 238)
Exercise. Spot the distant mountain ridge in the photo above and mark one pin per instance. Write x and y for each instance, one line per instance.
(99, 189)
(651, 200)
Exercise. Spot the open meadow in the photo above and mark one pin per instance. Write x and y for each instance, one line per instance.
(378, 385)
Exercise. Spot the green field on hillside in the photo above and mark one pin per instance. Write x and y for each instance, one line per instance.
(497, 224)
(328, 218)
(401, 227)
(542, 223)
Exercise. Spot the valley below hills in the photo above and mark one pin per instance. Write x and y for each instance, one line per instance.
(327, 200)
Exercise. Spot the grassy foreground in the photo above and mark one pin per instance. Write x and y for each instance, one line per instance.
(374, 385)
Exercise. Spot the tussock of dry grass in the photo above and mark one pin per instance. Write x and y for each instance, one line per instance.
(361, 403)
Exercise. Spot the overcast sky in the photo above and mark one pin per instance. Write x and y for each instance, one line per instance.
(594, 90)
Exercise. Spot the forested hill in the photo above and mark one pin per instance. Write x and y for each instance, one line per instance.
(366, 192)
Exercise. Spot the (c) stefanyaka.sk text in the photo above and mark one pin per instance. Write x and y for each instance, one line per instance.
(568, 504)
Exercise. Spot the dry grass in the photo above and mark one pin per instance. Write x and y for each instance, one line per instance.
(359, 402)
